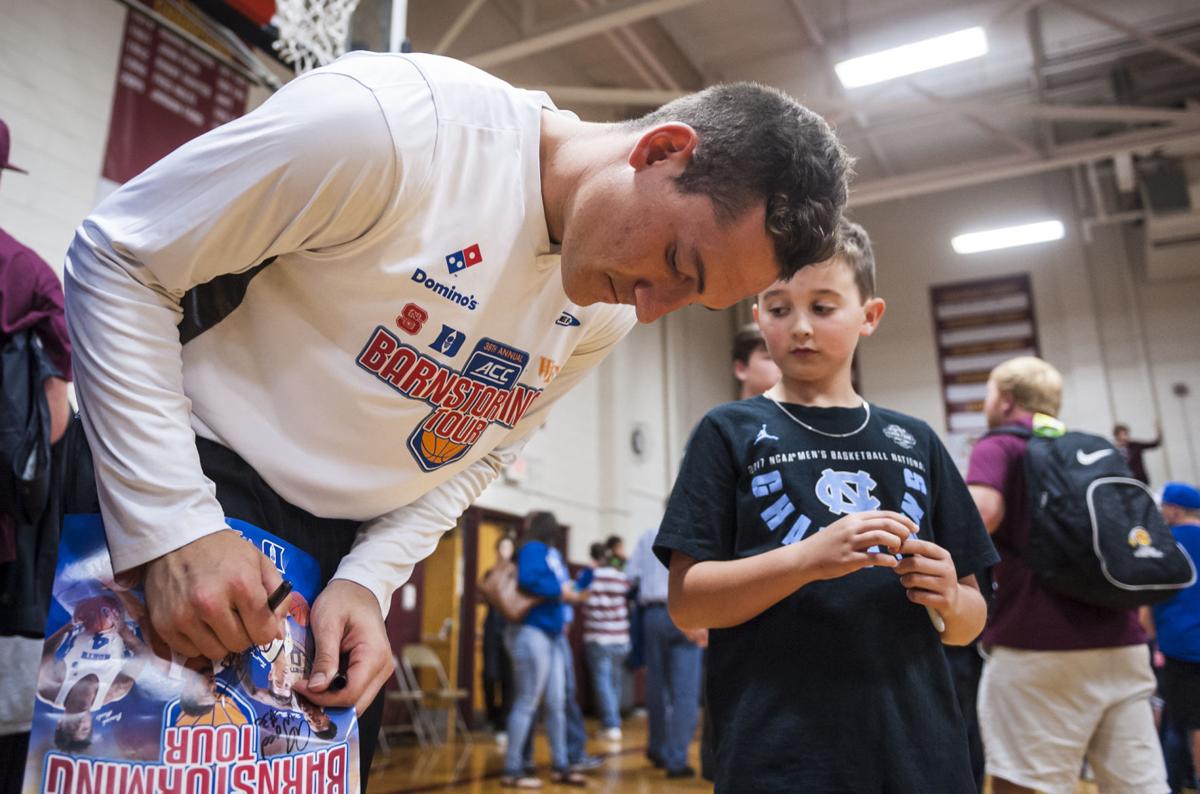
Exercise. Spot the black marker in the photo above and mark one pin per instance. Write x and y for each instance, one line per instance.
(281, 592)
(339, 679)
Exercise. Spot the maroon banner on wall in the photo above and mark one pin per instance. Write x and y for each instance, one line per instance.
(168, 92)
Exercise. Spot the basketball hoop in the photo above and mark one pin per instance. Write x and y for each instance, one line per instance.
(312, 33)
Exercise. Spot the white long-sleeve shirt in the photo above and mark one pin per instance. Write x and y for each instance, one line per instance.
(410, 333)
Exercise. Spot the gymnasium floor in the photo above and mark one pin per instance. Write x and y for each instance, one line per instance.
(475, 769)
(456, 769)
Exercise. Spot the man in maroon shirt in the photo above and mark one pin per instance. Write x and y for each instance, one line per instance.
(31, 297)
(1132, 450)
(1065, 680)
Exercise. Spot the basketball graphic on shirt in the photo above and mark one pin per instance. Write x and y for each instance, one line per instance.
(437, 450)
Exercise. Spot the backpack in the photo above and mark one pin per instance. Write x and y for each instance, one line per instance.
(29, 503)
(1096, 533)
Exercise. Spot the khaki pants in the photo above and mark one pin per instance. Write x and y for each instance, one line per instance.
(1042, 712)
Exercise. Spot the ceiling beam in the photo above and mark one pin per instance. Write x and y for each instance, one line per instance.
(935, 180)
(1015, 8)
(566, 95)
(1132, 114)
(838, 110)
(623, 49)
(1037, 47)
(811, 28)
(591, 23)
(1162, 45)
(458, 26)
(1021, 145)
(652, 60)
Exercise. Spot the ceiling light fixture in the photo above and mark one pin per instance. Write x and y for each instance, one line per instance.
(912, 58)
(1008, 237)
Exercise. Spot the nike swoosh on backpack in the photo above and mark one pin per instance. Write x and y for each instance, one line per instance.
(1087, 459)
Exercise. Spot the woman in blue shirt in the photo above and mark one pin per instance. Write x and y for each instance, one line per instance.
(538, 666)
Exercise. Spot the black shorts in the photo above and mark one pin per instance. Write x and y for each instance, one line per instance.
(1181, 692)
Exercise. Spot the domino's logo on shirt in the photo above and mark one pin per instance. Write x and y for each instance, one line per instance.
(461, 260)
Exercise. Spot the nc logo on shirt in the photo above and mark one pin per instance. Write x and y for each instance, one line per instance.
(461, 260)
(846, 491)
(496, 364)
(449, 341)
(567, 320)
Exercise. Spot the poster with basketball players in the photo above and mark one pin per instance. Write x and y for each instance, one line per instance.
(118, 712)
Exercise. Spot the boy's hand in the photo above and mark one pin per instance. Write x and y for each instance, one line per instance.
(841, 547)
(929, 576)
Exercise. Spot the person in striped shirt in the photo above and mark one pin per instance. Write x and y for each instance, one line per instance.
(606, 637)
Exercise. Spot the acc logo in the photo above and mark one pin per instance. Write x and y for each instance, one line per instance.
(496, 364)
(567, 320)
(547, 369)
(461, 260)
(902, 437)
(449, 341)
(411, 318)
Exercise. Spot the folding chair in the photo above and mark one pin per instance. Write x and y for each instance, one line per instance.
(421, 657)
(408, 694)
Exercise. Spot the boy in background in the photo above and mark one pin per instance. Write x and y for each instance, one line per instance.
(752, 364)
(782, 533)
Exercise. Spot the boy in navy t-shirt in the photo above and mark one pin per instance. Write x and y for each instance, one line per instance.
(825, 669)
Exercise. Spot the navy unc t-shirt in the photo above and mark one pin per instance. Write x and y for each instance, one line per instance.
(842, 686)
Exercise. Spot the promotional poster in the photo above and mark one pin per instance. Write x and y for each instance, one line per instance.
(118, 713)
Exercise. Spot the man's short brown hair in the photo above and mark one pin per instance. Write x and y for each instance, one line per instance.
(749, 339)
(1034, 384)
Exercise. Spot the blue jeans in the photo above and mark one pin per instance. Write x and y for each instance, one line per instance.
(605, 662)
(576, 730)
(538, 672)
(572, 713)
(672, 688)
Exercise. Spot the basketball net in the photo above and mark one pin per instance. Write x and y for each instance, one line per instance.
(312, 33)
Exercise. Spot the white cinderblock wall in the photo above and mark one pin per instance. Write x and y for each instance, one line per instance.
(58, 62)
(1119, 340)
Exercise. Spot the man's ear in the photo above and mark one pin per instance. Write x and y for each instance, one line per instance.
(739, 370)
(673, 140)
(873, 311)
(1007, 402)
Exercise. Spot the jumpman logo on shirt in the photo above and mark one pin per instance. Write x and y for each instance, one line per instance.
(763, 434)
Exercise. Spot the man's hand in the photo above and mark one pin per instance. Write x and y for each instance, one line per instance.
(929, 576)
(841, 547)
(209, 598)
(346, 621)
(698, 637)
